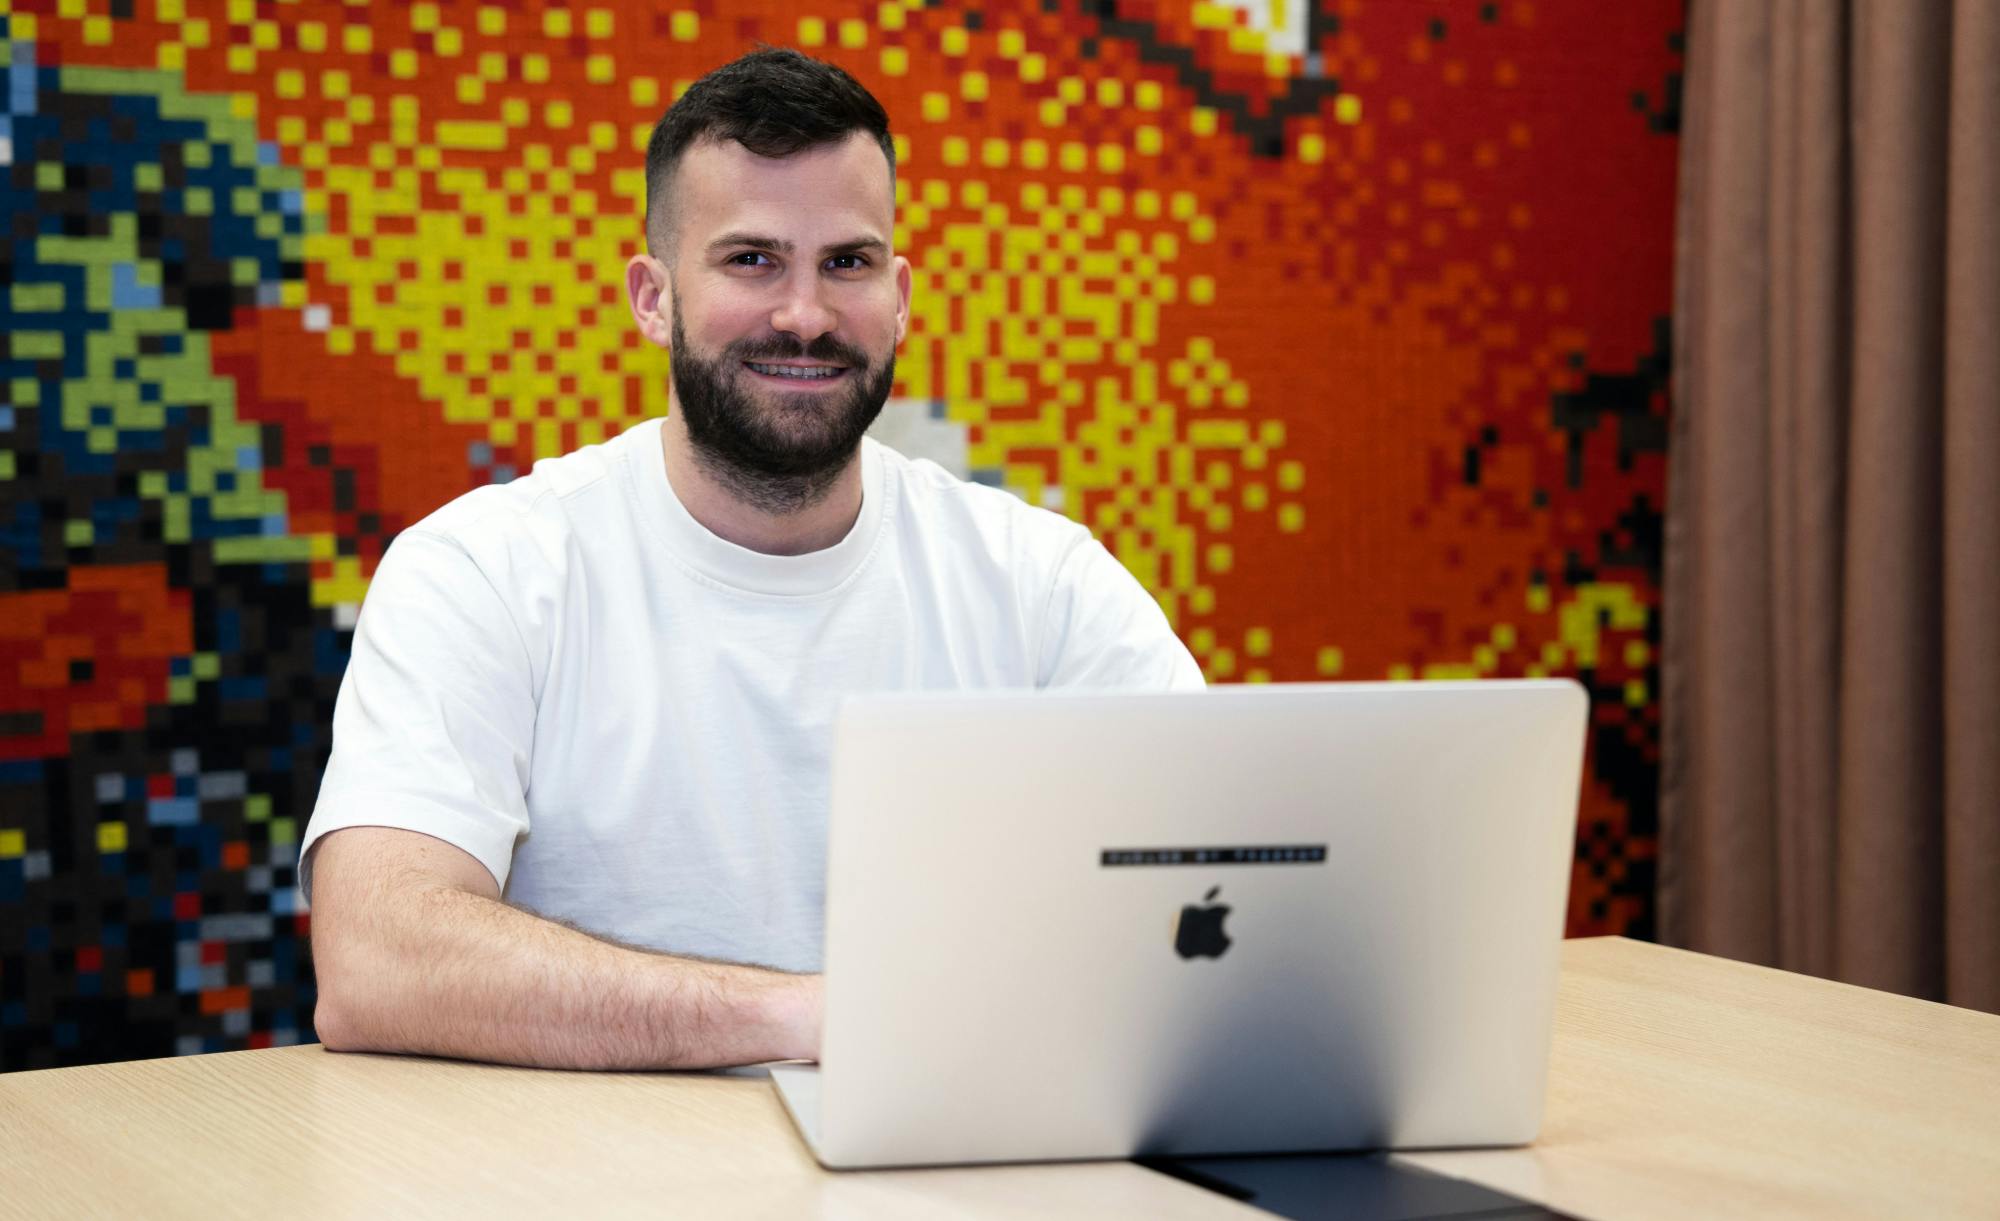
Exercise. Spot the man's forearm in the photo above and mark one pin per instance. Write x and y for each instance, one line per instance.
(440, 971)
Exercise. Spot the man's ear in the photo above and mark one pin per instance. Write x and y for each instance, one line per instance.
(650, 294)
(902, 298)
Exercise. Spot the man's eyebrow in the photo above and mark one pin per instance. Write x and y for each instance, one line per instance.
(755, 241)
(872, 245)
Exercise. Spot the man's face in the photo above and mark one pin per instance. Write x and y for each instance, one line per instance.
(787, 304)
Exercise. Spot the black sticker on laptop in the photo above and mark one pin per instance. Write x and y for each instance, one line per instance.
(1255, 854)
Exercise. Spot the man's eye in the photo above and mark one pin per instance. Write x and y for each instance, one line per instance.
(748, 257)
(847, 262)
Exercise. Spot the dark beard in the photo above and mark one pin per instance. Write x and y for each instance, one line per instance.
(784, 455)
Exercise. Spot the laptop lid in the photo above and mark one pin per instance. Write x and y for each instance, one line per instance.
(1251, 919)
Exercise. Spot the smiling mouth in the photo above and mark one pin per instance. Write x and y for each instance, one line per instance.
(797, 373)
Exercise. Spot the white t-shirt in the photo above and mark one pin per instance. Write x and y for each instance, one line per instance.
(628, 719)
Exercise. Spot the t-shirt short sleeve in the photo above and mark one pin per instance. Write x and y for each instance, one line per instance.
(1104, 630)
(434, 726)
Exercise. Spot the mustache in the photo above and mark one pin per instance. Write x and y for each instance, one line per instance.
(780, 346)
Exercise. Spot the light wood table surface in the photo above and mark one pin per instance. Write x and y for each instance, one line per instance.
(1681, 1086)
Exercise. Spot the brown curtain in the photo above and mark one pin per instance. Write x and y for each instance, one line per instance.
(1831, 671)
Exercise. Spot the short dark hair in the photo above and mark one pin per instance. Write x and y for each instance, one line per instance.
(774, 102)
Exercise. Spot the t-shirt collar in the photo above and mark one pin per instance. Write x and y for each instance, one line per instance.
(724, 562)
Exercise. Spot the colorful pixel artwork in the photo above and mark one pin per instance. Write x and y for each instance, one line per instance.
(1342, 322)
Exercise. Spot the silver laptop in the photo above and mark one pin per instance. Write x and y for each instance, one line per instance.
(1247, 920)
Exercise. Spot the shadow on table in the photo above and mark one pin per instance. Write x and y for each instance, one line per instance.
(1348, 1187)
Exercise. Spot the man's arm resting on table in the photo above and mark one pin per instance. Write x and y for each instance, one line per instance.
(414, 952)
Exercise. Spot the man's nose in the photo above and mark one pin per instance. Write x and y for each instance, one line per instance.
(803, 311)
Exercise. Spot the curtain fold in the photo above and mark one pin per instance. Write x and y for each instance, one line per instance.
(1810, 310)
(1831, 781)
(1971, 509)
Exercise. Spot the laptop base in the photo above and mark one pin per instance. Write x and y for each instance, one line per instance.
(1298, 1186)
(798, 1088)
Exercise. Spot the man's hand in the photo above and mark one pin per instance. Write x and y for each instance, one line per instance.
(415, 952)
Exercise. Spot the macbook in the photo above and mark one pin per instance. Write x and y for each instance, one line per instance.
(1253, 919)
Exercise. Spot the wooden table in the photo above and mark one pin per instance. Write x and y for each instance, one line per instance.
(1681, 1086)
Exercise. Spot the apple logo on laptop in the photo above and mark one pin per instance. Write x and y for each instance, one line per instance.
(1198, 933)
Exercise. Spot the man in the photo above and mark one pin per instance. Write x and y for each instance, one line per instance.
(605, 691)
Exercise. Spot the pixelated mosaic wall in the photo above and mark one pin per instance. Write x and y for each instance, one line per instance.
(1341, 322)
